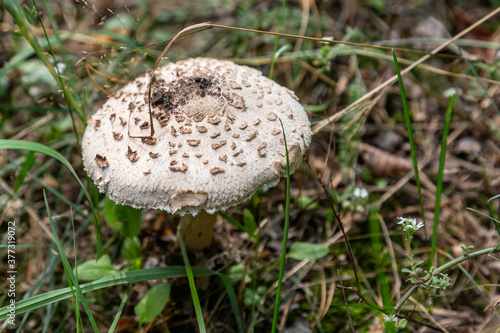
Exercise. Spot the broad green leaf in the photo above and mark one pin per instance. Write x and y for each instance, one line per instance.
(249, 221)
(406, 270)
(124, 219)
(131, 248)
(94, 270)
(305, 250)
(236, 272)
(153, 303)
(252, 297)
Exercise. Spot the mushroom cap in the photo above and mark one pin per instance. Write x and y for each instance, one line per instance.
(217, 137)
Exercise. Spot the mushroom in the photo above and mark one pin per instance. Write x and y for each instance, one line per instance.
(217, 139)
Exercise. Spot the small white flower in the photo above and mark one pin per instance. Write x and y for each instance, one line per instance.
(327, 38)
(61, 66)
(410, 223)
(449, 92)
(401, 220)
(390, 318)
(360, 193)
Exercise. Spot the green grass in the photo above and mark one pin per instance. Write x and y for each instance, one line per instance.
(294, 261)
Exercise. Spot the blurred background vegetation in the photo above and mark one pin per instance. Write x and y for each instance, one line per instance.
(362, 157)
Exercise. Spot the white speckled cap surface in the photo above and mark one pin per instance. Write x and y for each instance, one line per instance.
(217, 137)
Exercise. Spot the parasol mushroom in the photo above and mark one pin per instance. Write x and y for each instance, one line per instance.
(217, 139)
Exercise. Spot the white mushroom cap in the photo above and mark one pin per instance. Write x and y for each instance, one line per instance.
(217, 137)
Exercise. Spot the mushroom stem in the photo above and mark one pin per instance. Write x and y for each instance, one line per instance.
(197, 231)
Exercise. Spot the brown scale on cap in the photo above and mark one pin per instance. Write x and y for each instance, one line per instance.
(182, 168)
(154, 155)
(201, 129)
(133, 156)
(216, 146)
(215, 171)
(185, 130)
(117, 136)
(149, 141)
(252, 135)
(101, 161)
(214, 121)
(238, 152)
(243, 125)
(222, 114)
(271, 116)
(193, 142)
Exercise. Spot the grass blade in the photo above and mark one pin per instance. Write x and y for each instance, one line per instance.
(50, 297)
(68, 269)
(439, 185)
(378, 254)
(17, 13)
(120, 310)
(232, 300)
(410, 138)
(192, 285)
(40, 148)
(26, 166)
(285, 237)
(275, 53)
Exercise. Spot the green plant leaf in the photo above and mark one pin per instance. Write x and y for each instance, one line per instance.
(305, 250)
(236, 272)
(120, 310)
(94, 270)
(192, 285)
(153, 303)
(249, 221)
(131, 248)
(252, 297)
(29, 161)
(124, 219)
(418, 263)
(406, 270)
